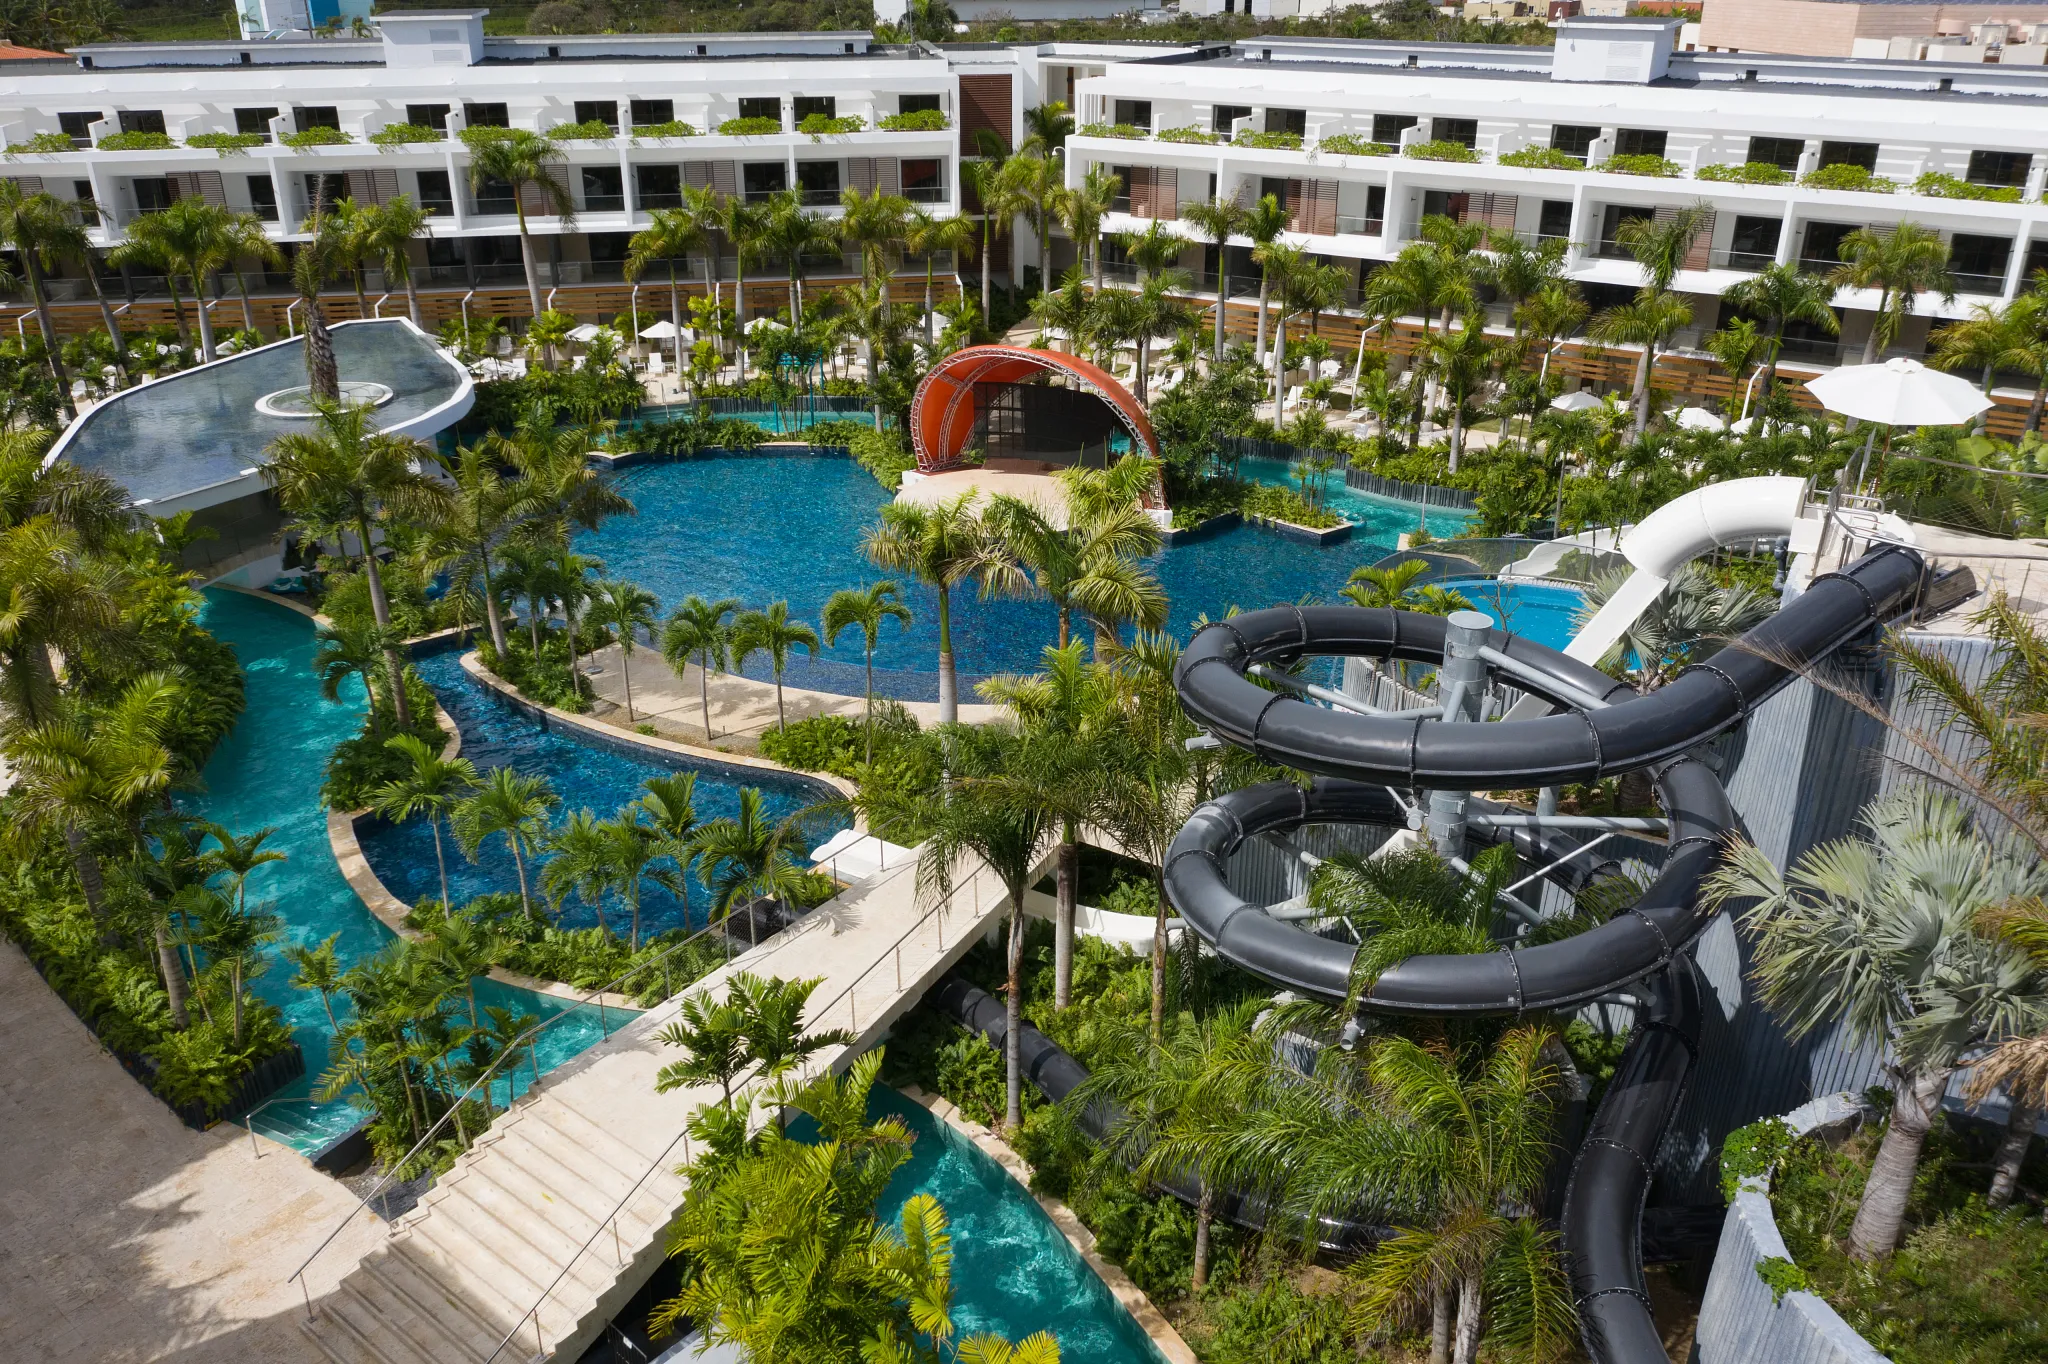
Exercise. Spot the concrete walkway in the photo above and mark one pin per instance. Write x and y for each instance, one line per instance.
(741, 708)
(126, 1236)
(565, 1202)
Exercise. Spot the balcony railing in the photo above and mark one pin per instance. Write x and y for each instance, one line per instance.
(649, 202)
(1750, 261)
(926, 194)
(820, 198)
(1610, 248)
(1357, 225)
(1977, 284)
(604, 203)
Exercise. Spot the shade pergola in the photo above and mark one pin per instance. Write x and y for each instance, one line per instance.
(942, 412)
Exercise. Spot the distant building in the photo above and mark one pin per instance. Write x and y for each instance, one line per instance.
(1505, 12)
(2014, 33)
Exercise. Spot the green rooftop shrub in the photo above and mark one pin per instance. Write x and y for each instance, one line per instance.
(1269, 141)
(399, 134)
(136, 142)
(1542, 158)
(41, 142)
(1129, 132)
(673, 128)
(1189, 134)
(1748, 173)
(590, 130)
(915, 121)
(227, 144)
(472, 137)
(821, 125)
(1656, 166)
(750, 127)
(317, 137)
(1351, 144)
(1842, 175)
(1441, 150)
(1935, 185)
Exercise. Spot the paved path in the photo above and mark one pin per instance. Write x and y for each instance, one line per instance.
(565, 1201)
(741, 708)
(124, 1235)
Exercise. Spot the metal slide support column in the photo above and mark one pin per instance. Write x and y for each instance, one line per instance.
(1460, 687)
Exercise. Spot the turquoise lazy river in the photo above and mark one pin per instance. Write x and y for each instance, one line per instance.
(267, 773)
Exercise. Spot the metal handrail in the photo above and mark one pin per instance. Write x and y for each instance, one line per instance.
(249, 1118)
(510, 1050)
(895, 951)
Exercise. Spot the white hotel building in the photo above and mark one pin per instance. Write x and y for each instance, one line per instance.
(1609, 87)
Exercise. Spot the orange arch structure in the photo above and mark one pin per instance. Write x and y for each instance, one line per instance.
(942, 412)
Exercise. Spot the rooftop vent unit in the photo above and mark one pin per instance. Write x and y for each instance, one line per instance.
(1622, 51)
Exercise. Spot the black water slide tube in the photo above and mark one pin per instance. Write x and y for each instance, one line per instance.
(1359, 757)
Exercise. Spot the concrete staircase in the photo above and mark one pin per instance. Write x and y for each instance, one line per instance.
(565, 1201)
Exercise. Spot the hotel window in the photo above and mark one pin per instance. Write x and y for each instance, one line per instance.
(78, 126)
(759, 179)
(1639, 142)
(1287, 121)
(604, 189)
(325, 189)
(1782, 152)
(263, 198)
(310, 116)
(605, 111)
(433, 116)
(2000, 168)
(917, 104)
(1389, 127)
(803, 106)
(1755, 243)
(142, 120)
(762, 106)
(152, 195)
(1555, 221)
(1862, 154)
(486, 116)
(1227, 114)
(1463, 131)
(435, 194)
(923, 182)
(254, 121)
(1573, 139)
(1135, 113)
(658, 186)
(818, 182)
(646, 113)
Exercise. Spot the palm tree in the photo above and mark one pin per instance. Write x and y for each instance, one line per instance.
(1395, 588)
(670, 235)
(746, 227)
(944, 546)
(349, 474)
(246, 238)
(749, 856)
(926, 236)
(864, 609)
(1047, 127)
(634, 849)
(164, 241)
(351, 649)
(430, 786)
(41, 232)
(1736, 345)
(792, 234)
(581, 858)
(700, 627)
(1082, 209)
(1688, 623)
(1070, 310)
(979, 818)
(1991, 339)
(314, 262)
(984, 178)
(1036, 183)
(513, 806)
(1461, 360)
(1091, 563)
(1646, 322)
(1900, 264)
(628, 609)
(1220, 219)
(1879, 934)
(1779, 295)
(385, 234)
(532, 570)
(1263, 222)
(484, 509)
(528, 163)
(773, 633)
(318, 968)
(872, 223)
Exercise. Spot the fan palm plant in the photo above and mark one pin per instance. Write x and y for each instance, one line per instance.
(771, 632)
(531, 165)
(430, 786)
(1900, 264)
(864, 609)
(627, 609)
(510, 806)
(348, 473)
(1879, 934)
(700, 628)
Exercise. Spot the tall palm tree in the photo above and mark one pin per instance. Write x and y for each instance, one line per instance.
(484, 510)
(1984, 341)
(700, 628)
(41, 232)
(670, 235)
(1646, 321)
(1879, 934)
(628, 609)
(872, 223)
(864, 609)
(530, 164)
(1219, 219)
(942, 546)
(1901, 264)
(314, 262)
(636, 850)
(1082, 209)
(1047, 128)
(925, 235)
(386, 236)
(1461, 360)
(318, 968)
(1035, 181)
(1779, 295)
(773, 633)
(749, 855)
(583, 859)
(792, 234)
(346, 473)
(999, 202)
(1088, 560)
(746, 226)
(429, 786)
(248, 239)
(512, 806)
(1263, 222)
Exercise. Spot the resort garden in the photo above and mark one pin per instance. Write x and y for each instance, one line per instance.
(1288, 1179)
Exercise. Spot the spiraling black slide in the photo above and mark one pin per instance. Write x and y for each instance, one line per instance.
(1357, 758)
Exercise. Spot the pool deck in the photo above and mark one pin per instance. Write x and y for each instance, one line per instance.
(740, 706)
(130, 1237)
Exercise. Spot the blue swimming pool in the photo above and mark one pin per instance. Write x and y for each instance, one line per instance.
(1381, 520)
(795, 417)
(268, 772)
(1542, 611)
(586, 776)
(1013, 1272)
(769, 527)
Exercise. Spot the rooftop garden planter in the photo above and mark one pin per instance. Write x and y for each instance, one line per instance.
(1655, 166)
(915, 121)
(1128, 132)
(472, 137)
(1189, 134)
(1351, 144)
(227, 144)
(1935, 185)
(816, 126)
(1748, 173)
(672, 128)
(1273, 141)
(750, 127)
(317, 137)
(136, 142)
(1843, 176)
(1441, 150)
(1542, 158)
(591, 130)
(403, 134)
(42, 144)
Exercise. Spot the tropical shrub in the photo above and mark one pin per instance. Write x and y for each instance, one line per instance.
(1936, 185)
(1275, 1322)
(360, 765)
(672, 128)
(476, 136)
(1440, 150)
(1542, 158)
(690, 436)
(1275, 140)
(1842, 175)
(1285, 504)
(1748, 173)
(884, 453)
(1351, 144)
(836, 434)
(750, 127)
(317, 137)
(41, 143)
(906, 761)
(915, 121)
(824, 125)
(1122, 130)
(398, 134)
(137, 141)
(590, 130)
(1656, 166)
(227, 144)
(1189, 134)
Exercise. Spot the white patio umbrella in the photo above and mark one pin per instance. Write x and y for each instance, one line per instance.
(658, 331)
(1699, 419)
(584, 333)
(1581, 401)
(1899, 392)
(755, 324)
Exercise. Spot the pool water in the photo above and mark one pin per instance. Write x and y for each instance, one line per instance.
(268, 772)
(793, 417)
(1542, 611)
(586, 776)
(1013, 1272)
(788, 527)
(1381, 520)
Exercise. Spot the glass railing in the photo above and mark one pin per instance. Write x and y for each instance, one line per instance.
(495, 207)
(926, 194)
(1751, 261)
(604, 203)
(649, 202)
(1357, 225)
(1967, 283)
(820, 198)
